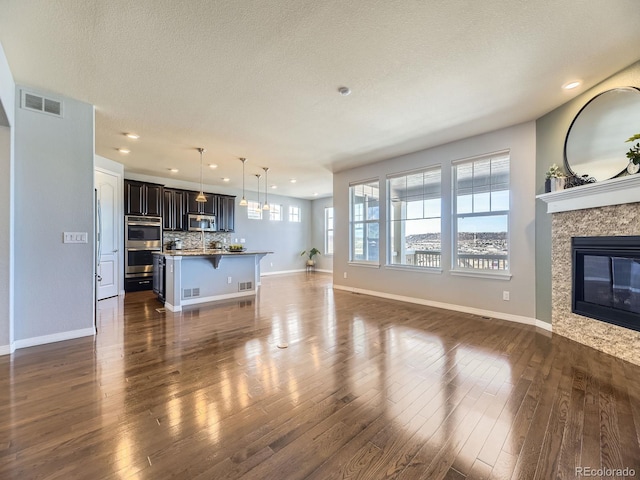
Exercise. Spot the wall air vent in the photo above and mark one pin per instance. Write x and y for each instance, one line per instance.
(37, 103)
(190, 292)
(242, 286)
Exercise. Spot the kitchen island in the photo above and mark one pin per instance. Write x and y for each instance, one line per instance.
(189, 277)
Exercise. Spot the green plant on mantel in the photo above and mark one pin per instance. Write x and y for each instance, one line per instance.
(555, 172)
(634, 152)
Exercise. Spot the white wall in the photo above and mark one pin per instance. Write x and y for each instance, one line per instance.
(323, 261)
(54, 282)
(7, 121)
(463, 293)
(285, 239)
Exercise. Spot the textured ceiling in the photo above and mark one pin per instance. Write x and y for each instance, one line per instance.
(259, 79)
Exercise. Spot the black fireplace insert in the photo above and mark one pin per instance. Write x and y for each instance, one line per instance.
(606, 279)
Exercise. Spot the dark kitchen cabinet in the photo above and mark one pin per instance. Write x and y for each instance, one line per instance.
(207, 208)
(226, 213)
(174, 209)
(142, 198)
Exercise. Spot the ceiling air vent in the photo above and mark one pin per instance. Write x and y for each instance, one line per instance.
(37, 103)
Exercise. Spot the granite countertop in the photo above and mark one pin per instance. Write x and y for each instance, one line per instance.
(198, 252)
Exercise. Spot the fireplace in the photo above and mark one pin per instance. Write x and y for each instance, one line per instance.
(606, 279)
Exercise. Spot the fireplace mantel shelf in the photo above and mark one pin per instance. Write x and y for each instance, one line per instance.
(616, 191)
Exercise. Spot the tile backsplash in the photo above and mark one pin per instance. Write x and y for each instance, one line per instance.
(191, 240)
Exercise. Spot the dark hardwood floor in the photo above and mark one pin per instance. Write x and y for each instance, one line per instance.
(368, 388)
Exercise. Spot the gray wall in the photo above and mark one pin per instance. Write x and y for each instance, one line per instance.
(324, 261)
(285, 239)
(7, 189)
(551, 132)
(464, 292)
(54, 282)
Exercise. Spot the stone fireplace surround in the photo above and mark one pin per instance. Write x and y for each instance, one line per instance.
(608, 208)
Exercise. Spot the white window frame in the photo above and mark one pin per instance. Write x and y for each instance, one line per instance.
(401, 223)
(275, 212)
(479, 272)
(365, 223)
(254, 210)
(328, 243)
(295, 214)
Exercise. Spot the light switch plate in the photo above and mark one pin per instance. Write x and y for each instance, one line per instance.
(75, 237)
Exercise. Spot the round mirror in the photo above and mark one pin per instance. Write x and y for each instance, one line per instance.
(595, 144)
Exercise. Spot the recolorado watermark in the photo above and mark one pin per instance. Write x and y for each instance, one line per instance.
(626, 472)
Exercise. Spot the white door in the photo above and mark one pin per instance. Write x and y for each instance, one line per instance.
(108, 267)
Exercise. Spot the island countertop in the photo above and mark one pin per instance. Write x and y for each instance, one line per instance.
(207, 252)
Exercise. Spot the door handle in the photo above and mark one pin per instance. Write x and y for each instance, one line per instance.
(115, 251)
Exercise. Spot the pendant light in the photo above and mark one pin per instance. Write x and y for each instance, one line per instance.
(243, 202)
(266, 188)
(201, 198)
(258, 176)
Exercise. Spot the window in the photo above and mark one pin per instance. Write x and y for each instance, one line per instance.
(328, 230)
(481, 214)
(414, 220)
(294, 214)
(364, 208)
(275, 212)
(254, 210)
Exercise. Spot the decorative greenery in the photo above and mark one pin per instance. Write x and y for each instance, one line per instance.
(634, 152)
(311, 253)
(555, 172)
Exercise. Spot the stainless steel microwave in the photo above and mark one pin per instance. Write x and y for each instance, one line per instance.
(201, 223)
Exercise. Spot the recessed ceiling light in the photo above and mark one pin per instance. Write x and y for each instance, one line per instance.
(124, 150)
(132, 136)
(572, 85)
(293, 180)
(274, 186)
(315, 194)
(344, 91)
(173, 170)
(225, 179)
(213, 166)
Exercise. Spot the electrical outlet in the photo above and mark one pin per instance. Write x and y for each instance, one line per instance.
(271, 264)
(229, 280)
(345, 274)
(505, 295)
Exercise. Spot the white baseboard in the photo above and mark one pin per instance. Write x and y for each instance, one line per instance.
(282, 272)
(56, 337)
(7, 349)
(450, 306)
(171, 307)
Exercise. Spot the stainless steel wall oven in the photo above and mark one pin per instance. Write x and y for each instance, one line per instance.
(143, 237)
